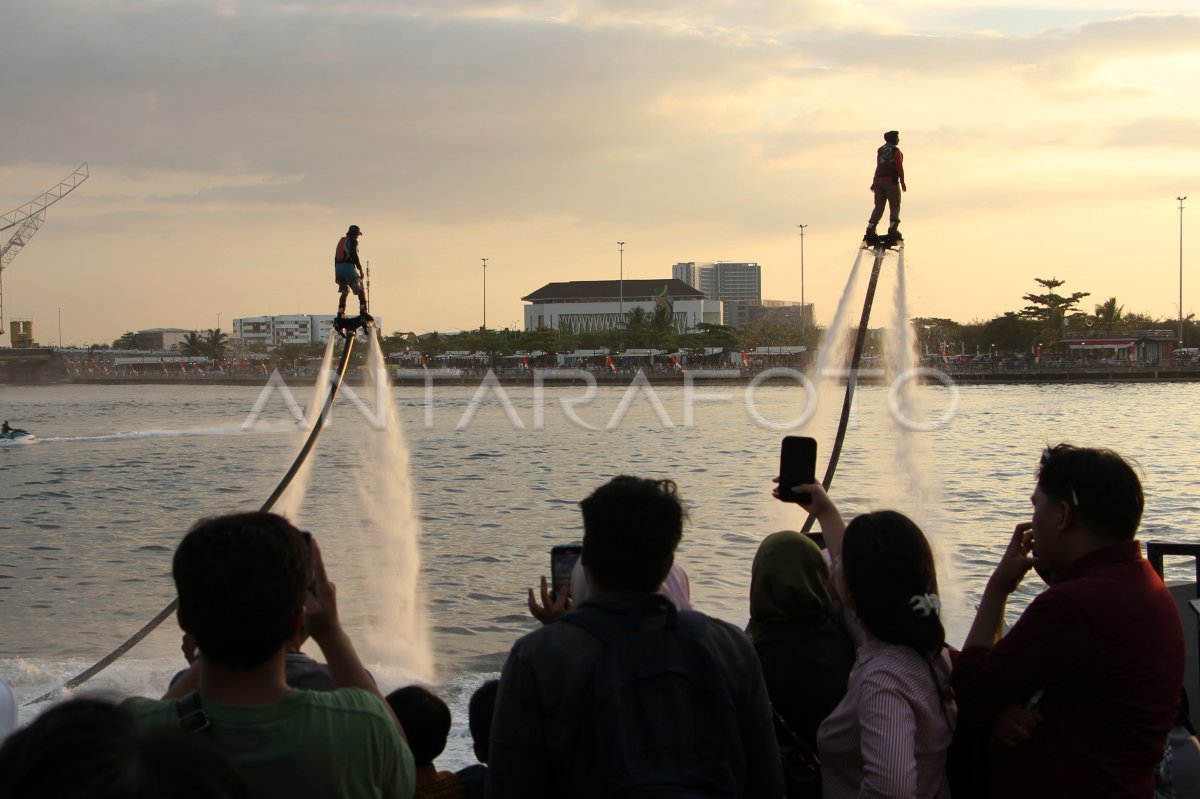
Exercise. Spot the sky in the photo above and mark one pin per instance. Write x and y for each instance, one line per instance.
(230, 143)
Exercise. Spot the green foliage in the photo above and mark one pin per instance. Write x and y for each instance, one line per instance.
(215, 342)
(1109, 315)
(127, 341)
(1051, 306)
(768, 334)
(192, 344)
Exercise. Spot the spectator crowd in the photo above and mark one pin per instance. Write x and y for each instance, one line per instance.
(841, 685)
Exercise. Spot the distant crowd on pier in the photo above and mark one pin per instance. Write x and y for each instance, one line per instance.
(841, 685)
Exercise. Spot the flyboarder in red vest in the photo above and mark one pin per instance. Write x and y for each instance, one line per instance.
(887, 185)
(348, 272)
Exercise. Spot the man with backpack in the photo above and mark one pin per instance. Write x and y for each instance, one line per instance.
(626, 695)
(348, 273)
(886, 185)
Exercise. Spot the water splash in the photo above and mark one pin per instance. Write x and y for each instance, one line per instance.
(289, 504)
(925, 504)
(399, 635)
(836, 344)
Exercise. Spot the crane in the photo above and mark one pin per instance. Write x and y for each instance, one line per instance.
(25, 220)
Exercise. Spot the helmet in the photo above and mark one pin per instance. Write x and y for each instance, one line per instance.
(354, 231)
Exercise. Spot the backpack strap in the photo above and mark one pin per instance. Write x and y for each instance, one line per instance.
(192, 717)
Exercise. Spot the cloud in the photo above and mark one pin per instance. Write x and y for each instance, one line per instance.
(706, 123)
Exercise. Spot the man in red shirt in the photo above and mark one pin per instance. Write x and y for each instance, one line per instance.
(887, 185)
(1085, 686)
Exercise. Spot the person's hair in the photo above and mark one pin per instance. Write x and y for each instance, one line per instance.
(892, 136)
(886, 562)
(480, 710)
(90, 748)
(425, 719)
(241, 579)
(631, 526)
(1099, 485)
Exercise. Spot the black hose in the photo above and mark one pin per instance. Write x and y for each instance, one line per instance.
(162, 616)
(851, 382)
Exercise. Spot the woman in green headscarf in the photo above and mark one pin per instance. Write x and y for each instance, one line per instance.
(805, 654)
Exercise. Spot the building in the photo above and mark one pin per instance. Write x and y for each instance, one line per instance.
(584, 306)
(696, 275)
(1141, 346)
(736, 284)
(272, 331)
(160, 338)
(783, 313)
(21, 334)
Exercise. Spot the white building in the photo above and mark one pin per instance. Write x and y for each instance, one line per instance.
(583, 306)
(162, 338)
(272, 331)
(737, 284)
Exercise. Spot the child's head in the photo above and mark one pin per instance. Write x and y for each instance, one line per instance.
(426, 721)
(479, 717)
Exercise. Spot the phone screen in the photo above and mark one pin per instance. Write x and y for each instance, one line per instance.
(562, 561)
(797, 464)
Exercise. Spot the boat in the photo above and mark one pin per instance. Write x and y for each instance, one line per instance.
(17, 437)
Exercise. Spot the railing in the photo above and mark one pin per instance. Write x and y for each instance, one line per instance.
(1155, 550)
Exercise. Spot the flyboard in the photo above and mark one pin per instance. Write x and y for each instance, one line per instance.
(880, 247)
(346, 327)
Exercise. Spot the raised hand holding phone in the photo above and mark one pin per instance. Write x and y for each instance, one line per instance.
(797, 466)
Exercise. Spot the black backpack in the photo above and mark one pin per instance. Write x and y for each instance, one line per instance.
(663, 720)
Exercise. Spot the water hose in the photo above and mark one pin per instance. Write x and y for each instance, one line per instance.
(851, 381)
(137, 637)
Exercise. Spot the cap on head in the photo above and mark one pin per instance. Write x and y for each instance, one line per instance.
(354, 231)
(892, 136)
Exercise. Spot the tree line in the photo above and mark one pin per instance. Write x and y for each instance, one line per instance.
(1047, 316)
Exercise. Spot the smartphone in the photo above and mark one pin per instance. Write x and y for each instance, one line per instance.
(562, 561)
(797, 464)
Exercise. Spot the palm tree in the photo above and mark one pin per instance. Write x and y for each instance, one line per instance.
(636, 326)
(214, 343)
(193, 344)
(1109, 315)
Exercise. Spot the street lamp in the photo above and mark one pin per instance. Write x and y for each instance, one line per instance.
(621, 244)
(485, 260)
(1181, 199)
(802, 316)
(218, 321)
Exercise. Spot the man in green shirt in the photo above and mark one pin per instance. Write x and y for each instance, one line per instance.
(246, 582)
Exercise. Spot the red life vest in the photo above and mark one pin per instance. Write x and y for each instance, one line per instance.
(342, 254)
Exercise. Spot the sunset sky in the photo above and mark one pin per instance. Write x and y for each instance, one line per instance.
(232, 142)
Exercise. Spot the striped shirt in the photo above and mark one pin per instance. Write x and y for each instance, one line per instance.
(889, 735)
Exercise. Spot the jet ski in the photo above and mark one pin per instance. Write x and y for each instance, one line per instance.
(17, 436)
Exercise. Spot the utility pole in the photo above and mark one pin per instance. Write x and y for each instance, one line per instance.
(1181, 199)
(803, 313)
(485, 260)
(621, 244)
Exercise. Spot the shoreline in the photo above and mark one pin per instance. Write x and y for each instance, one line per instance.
(867, 377)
